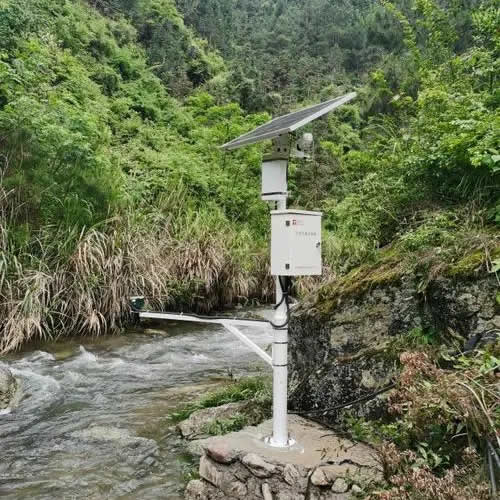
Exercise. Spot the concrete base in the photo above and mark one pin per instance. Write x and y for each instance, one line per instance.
(320, 466)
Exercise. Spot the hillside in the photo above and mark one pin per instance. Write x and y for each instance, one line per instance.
(416, 155)
(110, 185)
(293, 50)
(112, 113)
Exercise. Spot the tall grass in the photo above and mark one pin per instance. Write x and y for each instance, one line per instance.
(61, 281)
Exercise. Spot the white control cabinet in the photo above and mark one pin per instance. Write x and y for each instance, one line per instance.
(295, 243)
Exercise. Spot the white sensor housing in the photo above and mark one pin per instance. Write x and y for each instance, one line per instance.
(304, 146)
(274, 180)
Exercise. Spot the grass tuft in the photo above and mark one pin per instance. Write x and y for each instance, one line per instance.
(256, 389)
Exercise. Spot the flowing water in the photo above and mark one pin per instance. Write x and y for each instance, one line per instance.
(93, 422)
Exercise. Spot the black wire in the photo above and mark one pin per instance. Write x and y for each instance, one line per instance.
(199, 316)
(285, 291)
(491, 473)
(344, 405)
(494, 454)
(284, 294)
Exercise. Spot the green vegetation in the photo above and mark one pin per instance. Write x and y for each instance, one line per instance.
(256, 389)
(112, 183)
(109, 187)
(439, 417)
(223, 426)
(292, 50)
(419, 147)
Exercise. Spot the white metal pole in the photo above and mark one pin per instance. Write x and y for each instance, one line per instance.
(280, 367)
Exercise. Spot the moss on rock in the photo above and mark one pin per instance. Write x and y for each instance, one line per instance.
(394, 263)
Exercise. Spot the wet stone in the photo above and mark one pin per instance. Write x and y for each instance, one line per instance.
(7, 387)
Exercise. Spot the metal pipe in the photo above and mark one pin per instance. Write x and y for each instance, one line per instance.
(260, 352)
(280, 366)
(197, 319)
(228, 324)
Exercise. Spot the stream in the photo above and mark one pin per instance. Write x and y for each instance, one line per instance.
(93, 421)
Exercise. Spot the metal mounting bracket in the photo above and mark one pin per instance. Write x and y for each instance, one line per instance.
(229, 324)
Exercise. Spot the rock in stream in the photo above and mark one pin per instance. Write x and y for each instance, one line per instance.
(7, 387)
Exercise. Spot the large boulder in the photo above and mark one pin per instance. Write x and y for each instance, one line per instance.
(346, 338)
(7, 387)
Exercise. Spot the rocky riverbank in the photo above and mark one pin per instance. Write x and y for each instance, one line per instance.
(345, 339)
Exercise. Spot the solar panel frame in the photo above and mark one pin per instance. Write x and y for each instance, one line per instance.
(287, 123)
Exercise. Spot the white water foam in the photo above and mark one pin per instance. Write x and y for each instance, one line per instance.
(83, 359)
(43, 382)
(41, 356)
(86, 355)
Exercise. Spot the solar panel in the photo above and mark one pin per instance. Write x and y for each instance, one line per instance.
(288, 123)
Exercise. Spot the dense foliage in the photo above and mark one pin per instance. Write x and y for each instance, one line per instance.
(292, 49)
(422, 136)
(109, 185)
(97, 146)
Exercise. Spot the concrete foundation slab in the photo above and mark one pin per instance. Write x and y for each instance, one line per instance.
(320, 466)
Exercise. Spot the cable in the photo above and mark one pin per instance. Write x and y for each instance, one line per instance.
(200, 316)
(344, 405)
(285, 292)
(494, 454)
(491, 472)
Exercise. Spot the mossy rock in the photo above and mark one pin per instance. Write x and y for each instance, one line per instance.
(392, 265)
(470, 265)
(357, 282)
